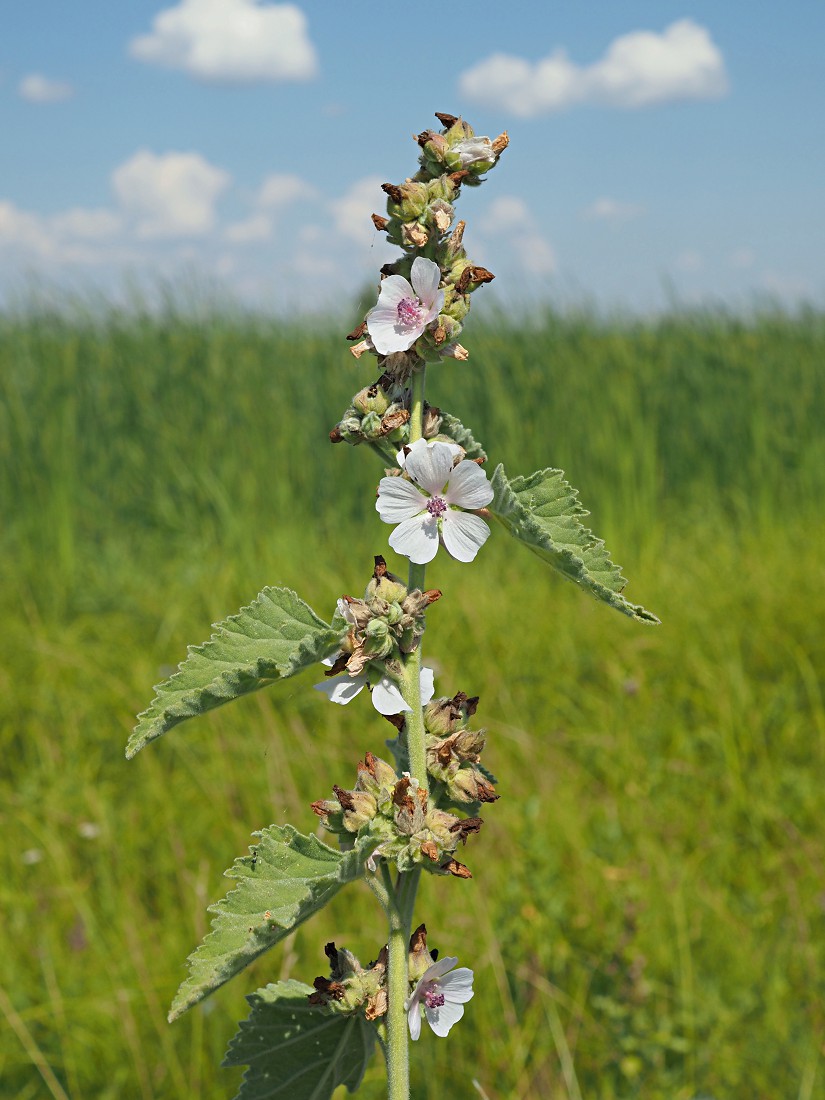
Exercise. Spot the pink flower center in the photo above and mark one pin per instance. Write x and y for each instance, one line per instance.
(432, 998)
(436, 506)
(408, 312)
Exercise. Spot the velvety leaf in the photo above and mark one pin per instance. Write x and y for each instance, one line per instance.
(544, 513)
(287, 878)
(274, 637)
(294, 1050)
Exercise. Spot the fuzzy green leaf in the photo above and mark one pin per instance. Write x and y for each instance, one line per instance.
(293, 1050)
(287, 878)
(453, 428)
(544, 513)
(274, 637)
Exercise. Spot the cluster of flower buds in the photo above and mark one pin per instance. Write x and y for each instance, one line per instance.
(387, 623)
(381, 412)
(350, 986)
(454, 753)
(457, 149)
(397, 815)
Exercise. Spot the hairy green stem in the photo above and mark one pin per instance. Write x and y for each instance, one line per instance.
(398, 1047)
(403, 895)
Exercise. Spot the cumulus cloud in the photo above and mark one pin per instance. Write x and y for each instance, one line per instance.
(255, 228)
(281, 189)
(169, 195)
(611, 211)
(351, 212)
(230, 40)
(90, 225)
(37, 88)
(508, 216)
(637, 70)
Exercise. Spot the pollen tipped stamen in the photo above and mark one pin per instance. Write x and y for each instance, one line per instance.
(436, 506)
(408, 312)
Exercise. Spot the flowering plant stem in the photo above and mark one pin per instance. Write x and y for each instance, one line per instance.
(406, 887)
(311, 1040)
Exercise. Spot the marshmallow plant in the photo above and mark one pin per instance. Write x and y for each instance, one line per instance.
(413, 815)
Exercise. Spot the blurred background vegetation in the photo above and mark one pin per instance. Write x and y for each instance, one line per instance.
(646, 916)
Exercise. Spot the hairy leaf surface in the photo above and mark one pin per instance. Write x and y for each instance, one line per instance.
(274, 637)
(287, 878)
(295, 1051)
(543, 511)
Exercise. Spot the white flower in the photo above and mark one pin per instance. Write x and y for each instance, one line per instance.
(386, 698)
(443, 996)
(404, 311)
(430, 506)
(474, 150)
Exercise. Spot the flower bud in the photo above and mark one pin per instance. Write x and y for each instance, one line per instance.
(377, 638)
(385, 585)
(371, 425)
(372, 398)
(414, 235)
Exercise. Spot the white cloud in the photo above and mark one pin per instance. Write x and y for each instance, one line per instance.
(637, 70)
(37, 88)
(169, 195)
(20, 229)
(505, 213)
(92, 225)
(281, 189)
(230, 40)
(257, 227)
(508, 216)
(351, 212)
(611, 211)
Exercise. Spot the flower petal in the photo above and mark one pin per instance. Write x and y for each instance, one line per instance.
(416, 538)
(429, 465)
(398, 499)
(441, 1019)
(386, 698)
(341, 689)
(464, 534)
(438, 969)
(414, 1019)
(393, 289)
(427, 682)
(388, 336)
(401, 456)
(425, 276)
(468, 487)
(458, 986)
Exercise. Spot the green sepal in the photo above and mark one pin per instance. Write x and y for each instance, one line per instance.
(543, 511)
(274, 637)
(295, 1050)
(287, 878)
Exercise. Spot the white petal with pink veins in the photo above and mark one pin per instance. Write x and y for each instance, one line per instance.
(416, 538)
(463, 534)
(469, 487)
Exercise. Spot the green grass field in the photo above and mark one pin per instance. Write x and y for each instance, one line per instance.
(647, 916)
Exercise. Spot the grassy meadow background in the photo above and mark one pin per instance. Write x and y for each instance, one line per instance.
(647, 916)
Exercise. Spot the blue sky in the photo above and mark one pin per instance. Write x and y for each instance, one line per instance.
(659, 151)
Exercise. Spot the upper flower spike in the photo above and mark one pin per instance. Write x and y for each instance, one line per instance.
(431, 506)
(404, 311)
